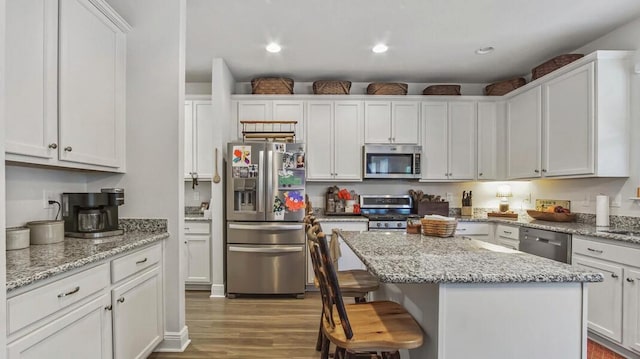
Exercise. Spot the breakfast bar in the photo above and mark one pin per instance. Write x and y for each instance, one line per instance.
(478, 300)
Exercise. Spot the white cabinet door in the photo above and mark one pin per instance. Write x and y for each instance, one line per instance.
(31, 78)
(291, 111)
(320, 140)
(605, 298)
(377, 122)
(487, 140)
(405, 122)
(80, 334)
(198, 259)
(348, 128)
(632, 309)
(434, 141)
(524, 126)
(137, 315)
(462, 140)
(189, 143)
(91, 86)
(203, 136)
(569, 124)
(253, 111)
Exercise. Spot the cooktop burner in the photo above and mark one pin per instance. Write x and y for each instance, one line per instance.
(386, 212)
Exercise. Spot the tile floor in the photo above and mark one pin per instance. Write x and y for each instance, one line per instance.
(597, 351)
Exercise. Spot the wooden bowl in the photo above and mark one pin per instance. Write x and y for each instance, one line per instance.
(552, 217)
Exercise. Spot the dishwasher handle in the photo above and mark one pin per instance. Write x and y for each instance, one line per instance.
(548, 241)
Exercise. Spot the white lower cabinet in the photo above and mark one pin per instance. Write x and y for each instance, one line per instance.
(613, 312)
(89, 315)
(507, 236)
(475, 230)
(198, 241)
(348, 259)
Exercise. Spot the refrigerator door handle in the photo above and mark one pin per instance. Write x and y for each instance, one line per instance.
(260, 195)
(269, 190)
(266, 250)
(257, 227)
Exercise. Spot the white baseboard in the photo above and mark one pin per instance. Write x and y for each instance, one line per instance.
(174, 341)
(217, 291)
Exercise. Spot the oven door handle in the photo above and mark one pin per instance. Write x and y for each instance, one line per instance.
(547, 241)
(291, 249)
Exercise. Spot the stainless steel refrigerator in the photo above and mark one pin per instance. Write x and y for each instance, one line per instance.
(265, 242)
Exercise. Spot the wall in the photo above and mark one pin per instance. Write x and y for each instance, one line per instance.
(198, 88)
(3, 210)
(154, 183)
(204, 193)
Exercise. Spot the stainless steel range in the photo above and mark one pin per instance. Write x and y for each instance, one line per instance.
(386, 212)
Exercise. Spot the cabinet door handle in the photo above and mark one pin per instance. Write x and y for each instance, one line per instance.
(613, 275)
(121, 300)
(506, 232)
(480, 174)
(53, 146)
(461, 229)
(68, 149)
(73, 291)
(536, 171)
(543, 170)
(595, 250)
(630, 280)
(393, 139)
(142, 261)
(108, 307)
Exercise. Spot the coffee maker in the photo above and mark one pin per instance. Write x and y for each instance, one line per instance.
(92, 215)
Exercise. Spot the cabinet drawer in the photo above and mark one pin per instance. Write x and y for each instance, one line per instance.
(123, 267)
(35, 305)
(508, 232)
(509, 243)
(471, 229)
(197, 227)
(611, 252)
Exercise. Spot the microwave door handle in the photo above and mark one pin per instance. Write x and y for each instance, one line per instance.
(261, 175)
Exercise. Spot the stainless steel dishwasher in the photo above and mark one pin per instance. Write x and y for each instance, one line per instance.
(548, 244)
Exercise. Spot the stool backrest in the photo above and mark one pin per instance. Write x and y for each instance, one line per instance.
(327, 279)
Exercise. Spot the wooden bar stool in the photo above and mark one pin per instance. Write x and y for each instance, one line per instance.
(381, 326)
(355, 283)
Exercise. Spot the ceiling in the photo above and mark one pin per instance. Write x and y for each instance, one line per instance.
(429, 40)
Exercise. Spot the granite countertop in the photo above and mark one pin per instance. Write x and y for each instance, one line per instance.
(397, 257)
(38, 262)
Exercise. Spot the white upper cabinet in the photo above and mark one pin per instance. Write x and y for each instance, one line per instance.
(198, 144)
(69, 65)
(392, 122)
(524, 127)
(32, 79)
(487, 140)
(449, 140)
(580, 116)
(334, 140)
(271, 111)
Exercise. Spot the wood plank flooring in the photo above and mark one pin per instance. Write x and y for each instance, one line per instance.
(250, 327)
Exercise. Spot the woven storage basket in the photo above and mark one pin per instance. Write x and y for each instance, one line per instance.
(442, 90)
(387, 88)
(553, 64)
(438, 228)
(328, 87)
(504, 87)
(272, 86)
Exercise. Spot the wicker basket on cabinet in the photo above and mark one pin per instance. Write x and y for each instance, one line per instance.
(330, 87)
(553, 64)
(272, 86)
(504, 87)
(445, 90)
(387, 88)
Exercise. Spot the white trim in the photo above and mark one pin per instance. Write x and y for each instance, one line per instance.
(217, 291)
(109, 12)
(174, 342)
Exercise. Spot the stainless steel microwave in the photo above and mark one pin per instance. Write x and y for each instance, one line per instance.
(392, 161)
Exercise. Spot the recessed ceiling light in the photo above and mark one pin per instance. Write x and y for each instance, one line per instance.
(380, 48)
(485, 50)
(273, 47)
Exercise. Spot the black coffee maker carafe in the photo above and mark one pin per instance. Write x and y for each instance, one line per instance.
(92, 215)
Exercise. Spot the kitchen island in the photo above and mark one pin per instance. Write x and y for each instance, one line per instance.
(478, 300)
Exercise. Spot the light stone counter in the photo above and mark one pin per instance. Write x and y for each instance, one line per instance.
(397, 257)
(38, 262)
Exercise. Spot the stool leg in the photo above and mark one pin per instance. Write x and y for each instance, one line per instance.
(324, 353)
(320, 336)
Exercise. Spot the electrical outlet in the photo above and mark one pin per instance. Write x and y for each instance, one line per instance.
(196, 195)
(49, 196)
(449, 197)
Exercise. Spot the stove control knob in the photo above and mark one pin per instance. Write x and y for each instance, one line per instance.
(386, 224)
(379, 224)
(399, 225)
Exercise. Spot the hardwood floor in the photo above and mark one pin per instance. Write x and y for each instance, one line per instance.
(250, 327)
